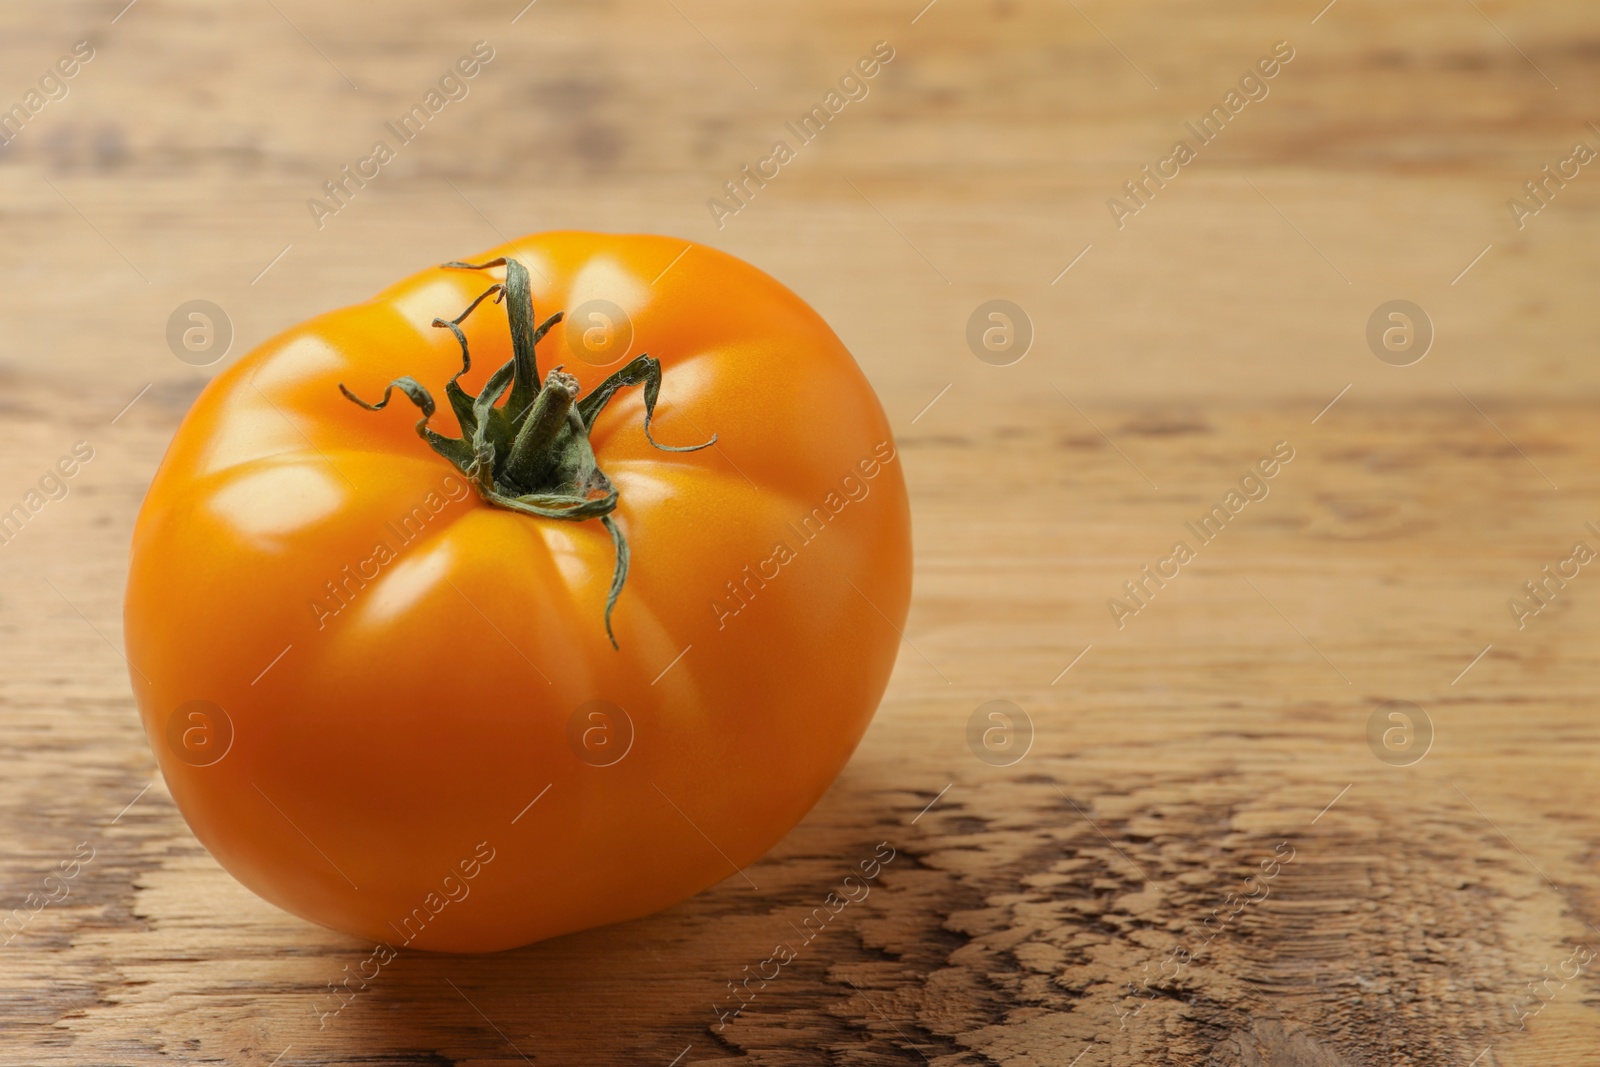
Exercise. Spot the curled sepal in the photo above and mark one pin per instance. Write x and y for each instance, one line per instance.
(645, 371)
(497, 290)
(492, 432)
(558, 505)
(519, 309)
(456, 264)
(460, 399)
(544, 327)
(410, 386)
(453, 449)
(619, 574)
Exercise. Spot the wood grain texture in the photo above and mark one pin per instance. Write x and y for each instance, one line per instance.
(1029, 915)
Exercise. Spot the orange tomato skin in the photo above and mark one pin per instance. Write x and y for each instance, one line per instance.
(394, 737)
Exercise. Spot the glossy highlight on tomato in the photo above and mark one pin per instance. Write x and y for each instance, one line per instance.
(619, 653)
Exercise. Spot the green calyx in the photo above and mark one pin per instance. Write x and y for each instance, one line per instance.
(532, 453)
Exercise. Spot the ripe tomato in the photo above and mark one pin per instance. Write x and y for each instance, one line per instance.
(377, 665)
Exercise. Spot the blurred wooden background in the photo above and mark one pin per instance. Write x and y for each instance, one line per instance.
(1432, 912)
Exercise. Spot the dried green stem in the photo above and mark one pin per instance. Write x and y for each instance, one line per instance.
(533, 450)
(528, 450)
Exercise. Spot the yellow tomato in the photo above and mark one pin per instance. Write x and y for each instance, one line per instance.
(377, 666)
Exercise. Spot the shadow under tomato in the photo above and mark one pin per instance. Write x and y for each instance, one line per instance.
(645, 991)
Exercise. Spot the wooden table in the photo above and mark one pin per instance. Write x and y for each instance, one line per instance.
(1439, 910)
